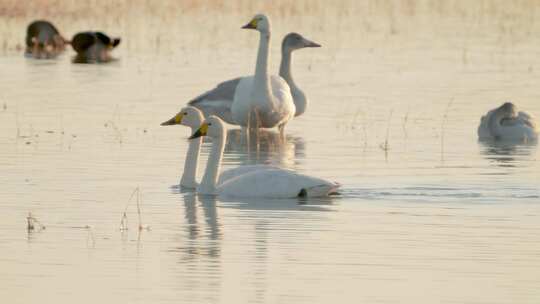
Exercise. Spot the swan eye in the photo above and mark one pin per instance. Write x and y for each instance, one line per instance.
(185, 113)
(209, 123)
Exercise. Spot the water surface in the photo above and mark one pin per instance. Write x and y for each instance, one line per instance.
(436, 218)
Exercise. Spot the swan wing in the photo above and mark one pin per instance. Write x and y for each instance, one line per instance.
(527, 119)
(218, 101)
(276, 183)
(483, 128)
(238, 171)
(242, 100)
(283, 97)
(276, 111)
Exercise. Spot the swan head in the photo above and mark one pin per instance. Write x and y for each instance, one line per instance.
(188, 116)
(295, 41)
(260, 23)
(213, 126)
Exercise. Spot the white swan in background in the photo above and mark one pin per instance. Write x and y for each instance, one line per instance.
(269, 183)
(261, 101)
(193, 118)
(292, 42)
(218, 101)
(506, 123)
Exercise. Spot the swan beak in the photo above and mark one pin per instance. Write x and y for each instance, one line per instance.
(176, 120)
(251, 25)
(203, 129)
(309, 43)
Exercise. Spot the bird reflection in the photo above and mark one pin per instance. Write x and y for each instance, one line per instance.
(196, 232)
(266, 218)
(262, 147)
(293, 204)
(200, 252)
(504, 153)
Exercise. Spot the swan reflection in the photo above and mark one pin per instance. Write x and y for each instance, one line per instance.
(204, 239)
(199, 249)
(293, 204)
(505, 153)
(262, 147)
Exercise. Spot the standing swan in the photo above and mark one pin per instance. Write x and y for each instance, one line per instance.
(261, 101)
(269, 183)
(218, 101)
(506, 123)
(193, 118)
(292, 42)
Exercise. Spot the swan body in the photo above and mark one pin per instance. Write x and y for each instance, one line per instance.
(275, 183)
(506, 123)
(218, 101)
(193, 118)
(266, 182)
(254, 108)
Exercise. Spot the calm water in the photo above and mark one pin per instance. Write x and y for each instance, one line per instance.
(437, 218)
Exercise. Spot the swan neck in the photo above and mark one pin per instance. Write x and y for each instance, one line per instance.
(190, 165)
(285, 66)
(211, 175)
(299, 98)
(262, 79)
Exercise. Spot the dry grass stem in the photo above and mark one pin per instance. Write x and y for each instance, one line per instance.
(443, 126)
(124, 219)
(32, 223)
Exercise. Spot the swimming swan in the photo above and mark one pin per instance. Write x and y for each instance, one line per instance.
(218, 101)
(193, 118)
(270, 183)
(506, 123)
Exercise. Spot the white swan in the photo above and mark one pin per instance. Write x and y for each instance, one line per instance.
(292, 42)
(218, 101)
(270, 183)
(261, 101)
(193, 118)
(506, 123)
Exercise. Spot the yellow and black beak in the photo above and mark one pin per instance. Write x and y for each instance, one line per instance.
(176, 120)
(251, 25)
(202, 131)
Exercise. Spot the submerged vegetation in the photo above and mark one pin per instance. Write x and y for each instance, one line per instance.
(32, 223)
(124, 220)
